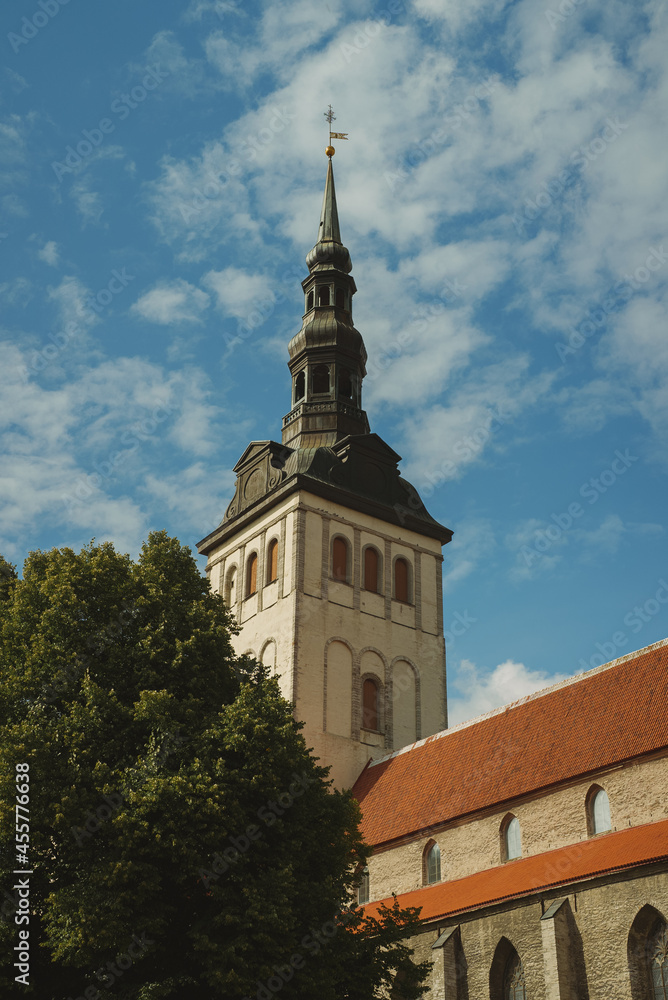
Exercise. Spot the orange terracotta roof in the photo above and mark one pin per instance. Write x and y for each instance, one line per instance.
(610, 714)
(607, 853)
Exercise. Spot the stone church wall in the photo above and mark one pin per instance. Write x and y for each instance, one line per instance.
(579, 952)
(553, 819)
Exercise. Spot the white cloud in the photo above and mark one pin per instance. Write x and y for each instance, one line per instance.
(17, 291)
(70, 298)
(50, 253)
(73, 451)
(474, 692)
(172, 302)
(480, 411)
(473, 541)
(467, 162)
(88, 202)
(539, 545)
(237, 291)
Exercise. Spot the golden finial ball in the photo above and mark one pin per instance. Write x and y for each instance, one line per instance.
(330, 151)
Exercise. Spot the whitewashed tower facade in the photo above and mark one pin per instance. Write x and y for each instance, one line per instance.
(327, 556)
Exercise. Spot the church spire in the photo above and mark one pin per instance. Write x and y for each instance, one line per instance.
(327, 356)
(328, 230)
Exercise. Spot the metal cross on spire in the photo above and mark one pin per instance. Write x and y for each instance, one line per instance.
(331, 117)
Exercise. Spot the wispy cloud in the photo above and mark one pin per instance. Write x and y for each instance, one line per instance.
(172, 302)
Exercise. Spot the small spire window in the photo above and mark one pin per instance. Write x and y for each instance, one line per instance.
(300, 386)
(323, 295)
(340, 299)
(345, 383)
(321, 379)
(309, 301)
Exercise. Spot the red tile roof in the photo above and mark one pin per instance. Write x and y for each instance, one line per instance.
(607, 853)
(610, 714)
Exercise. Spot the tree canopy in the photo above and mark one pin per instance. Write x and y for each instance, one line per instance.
(183, 841)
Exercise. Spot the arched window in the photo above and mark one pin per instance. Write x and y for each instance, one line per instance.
(340, 559)
(272, 561)
(370, 705)
(300, 386)
(345, 384)
(321, 379)
(598, 811)
(432, 864)
(309, 301)
(401, 580)
(647, 950)
(514, 987)
(363, 889)
(340, 298)
(251, 575)
(371, 565)
(657, 958)
(512, 838)
(231, 587)
(323, 295)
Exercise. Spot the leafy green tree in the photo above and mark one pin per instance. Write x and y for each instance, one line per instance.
(183, 841)
(7, 578)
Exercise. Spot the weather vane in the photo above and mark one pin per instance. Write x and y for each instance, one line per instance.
(330, 116)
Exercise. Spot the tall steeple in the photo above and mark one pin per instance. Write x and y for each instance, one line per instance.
(327, 356)
(327, 557)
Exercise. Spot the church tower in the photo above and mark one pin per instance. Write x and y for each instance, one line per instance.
(327, 556)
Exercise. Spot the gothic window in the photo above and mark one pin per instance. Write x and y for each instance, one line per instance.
(321, 379)
(363, 889)
(657, 957)
(231, 587)
(598, 811)
(300, 386)
(340, 298)
(345, 384)
(309, 301)
(432, 864)
(401, 580)
(371, 565)
(514, 987)
(370, 705)
(272, 561)
(251, 575)
(511, 838)
(340, 559)
(323, 295)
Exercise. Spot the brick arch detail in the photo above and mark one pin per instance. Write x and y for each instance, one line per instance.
(384, 701)
(418, 690)
(356, 670)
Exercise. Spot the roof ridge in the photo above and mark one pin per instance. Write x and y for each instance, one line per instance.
(541, 693)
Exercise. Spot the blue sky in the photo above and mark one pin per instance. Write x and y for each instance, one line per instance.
(503, 195)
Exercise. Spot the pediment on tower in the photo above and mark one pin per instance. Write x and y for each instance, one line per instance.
(260, 470)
